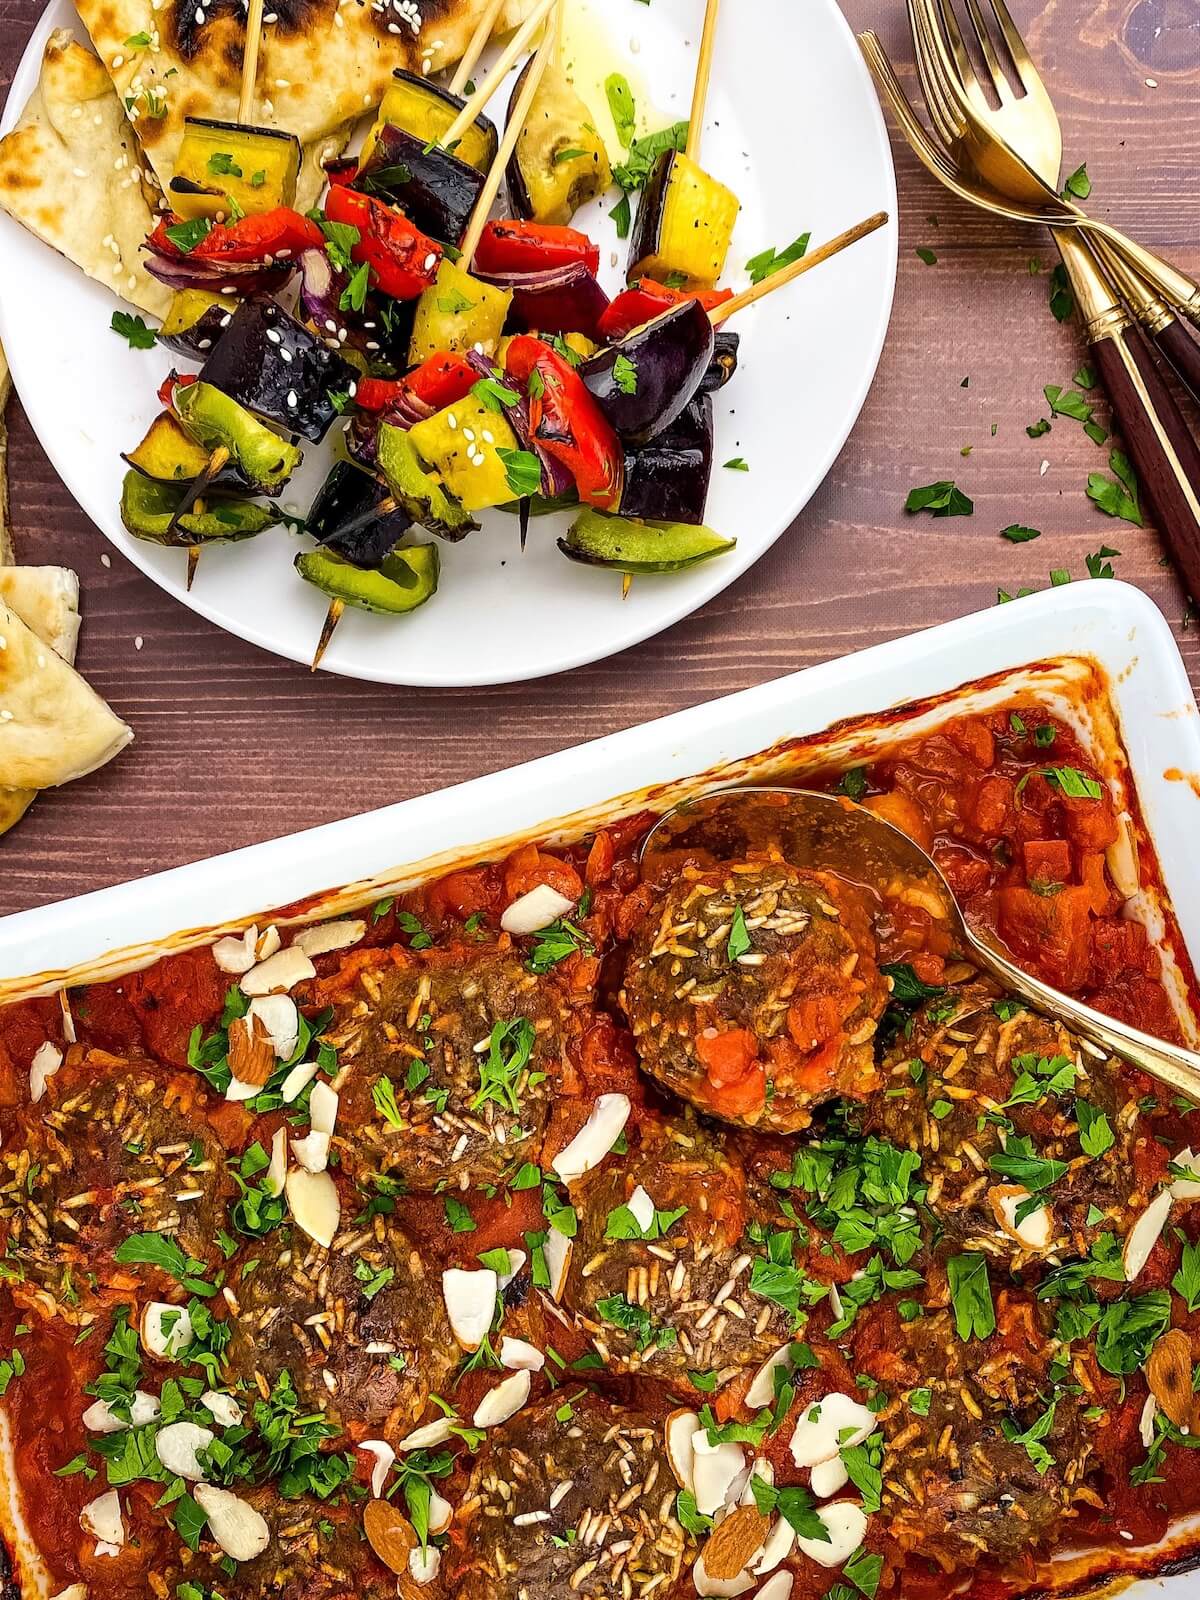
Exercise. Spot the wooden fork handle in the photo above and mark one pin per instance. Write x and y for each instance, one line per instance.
(1164, 454)
(1183, 353)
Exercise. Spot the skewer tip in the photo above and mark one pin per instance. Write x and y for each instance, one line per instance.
(193, 561)
(332, 617)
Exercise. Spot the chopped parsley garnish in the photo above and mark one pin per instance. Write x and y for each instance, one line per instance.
(161, 1251)
(1031, 1439)
(458, 1215)
(222, 165)
(523, 471)
(622, 1224)
(1095, 1130)
(690, 1519)
(795, 1505)
(1038, 1076)
(509, 1051)
(928, 256)
(1186, 1282)
(621, 106)
(634, 1320)
(493, 394)
(736, 464)
(769, 262)
(919, 1401)
(1016, 534)
(419, 936)
(555, 943)
(971, 1294)
(739, 939)
(372, 1279)
(137, 333)
(573, 154)
(185, 236)
(1020, 1162)
(1099, 563)
(625, 374)
(907, 988)
(1119, 499)
(354, 296)
(644, 154)
(942, 499)
(1078, 184)
(383, 1093)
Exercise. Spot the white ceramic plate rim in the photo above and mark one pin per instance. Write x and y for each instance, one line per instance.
(565, 646)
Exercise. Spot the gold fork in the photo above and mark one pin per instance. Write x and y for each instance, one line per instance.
(1017, 146)
(1140, 403)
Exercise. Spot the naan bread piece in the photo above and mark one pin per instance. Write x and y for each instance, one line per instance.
(47, 600)
(323, 63)
(69, 173)
(53, 726)
(7, 555)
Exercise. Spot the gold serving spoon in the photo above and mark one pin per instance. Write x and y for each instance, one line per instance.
(831, 834)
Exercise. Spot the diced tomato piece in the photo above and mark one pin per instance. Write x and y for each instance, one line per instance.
(1093, 875)
(403, 260)
(529, 868)
(904, 813)
(1051, 931)
(462, 894)
(816, 1018)
(973, 737)
(600, 860)
(990, 805)
(512, 246)
(1047, 861)
(727, 1057)
(1119, 947)
(966, 873)
(1090, 823)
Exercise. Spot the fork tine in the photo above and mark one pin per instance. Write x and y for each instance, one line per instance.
(932, 157)
(962, 60)
(1027, 72)
(946, 125)
(990, 56)
(937, 70)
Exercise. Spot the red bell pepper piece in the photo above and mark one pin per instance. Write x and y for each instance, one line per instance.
(270, 234)
(172, 382)
(402, 259)
(646, 300)
(533, 247)
(567, 422)
(437, 383)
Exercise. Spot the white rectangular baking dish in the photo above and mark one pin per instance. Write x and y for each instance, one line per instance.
(1103, 641)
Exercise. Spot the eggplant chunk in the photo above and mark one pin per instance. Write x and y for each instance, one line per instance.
(684, 224)
(427, 111)
(147, 510)
(405, 579)
(724, 361)
(167, 453)
(624, 545)
(667, 480)
(433, 188)
(559, 162)
(195, 320)
(219, 423)
(219, 162)
(272, 365)
(645, 380)
(346, 496)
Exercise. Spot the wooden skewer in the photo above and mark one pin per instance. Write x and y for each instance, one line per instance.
(498, 73)
(479, 39)
(703, 74)
(833, 247)
(254, 19)
(332, 617)
(516, 122)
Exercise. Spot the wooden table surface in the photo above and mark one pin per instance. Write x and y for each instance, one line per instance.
(234, 746)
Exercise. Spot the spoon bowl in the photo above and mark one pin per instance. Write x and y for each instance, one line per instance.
(830, 833)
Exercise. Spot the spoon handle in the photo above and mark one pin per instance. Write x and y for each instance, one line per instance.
(1170, 1064)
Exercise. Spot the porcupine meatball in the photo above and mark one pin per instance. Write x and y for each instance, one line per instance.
(114, 1148)
(752, 991)
(580, 1505)
(999, 1075)
(956, 1487)
(363, 1334)
(680, 1299)
(454, 1066)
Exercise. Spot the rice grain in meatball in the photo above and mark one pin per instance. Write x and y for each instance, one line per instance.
(569, 1501)
(752, 991)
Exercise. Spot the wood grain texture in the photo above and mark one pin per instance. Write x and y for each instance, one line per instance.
(234, 746)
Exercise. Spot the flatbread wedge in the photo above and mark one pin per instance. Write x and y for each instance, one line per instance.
(69, 171)
(53, 726)
(323, 63)
(7, 555)
(47, 600)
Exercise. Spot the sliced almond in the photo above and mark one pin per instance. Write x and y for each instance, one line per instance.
(389, 1533)
(557, 1251)
(719, 1588)
(518, 1354)
(535, 910)
(102, 1518)
(762, 1389)
(279, 973)
(715, 1470)
(777, 1588)
(101, 1418)
(827, 1425)
(222, 1408)
(641, 1208)
(239, 1529)
(425, 1437)
(313, 1201)
(166, 1330)
(595, 1139)
(1146, 1421)
(312, 1152)
(516, 1260)
(237, 955)
(46, 1062)
(777, 1547)
(297, 1080)
(845, 1522)
(323, 937)
(1144, 1234)
(384, 1457)
(470, 1303)
(280, 1016)
(252, 1056)
(322, 1108)
(504, 1401)
(1186, 1188)
(178, 1447)
(73, 1591)
(424, 1565)
(1033, 1232)
(678, 1432)
(1169, 1374)
(441, 1513)
(733, 1541)
(268, 941)
(827, 1477)
(276, 1174)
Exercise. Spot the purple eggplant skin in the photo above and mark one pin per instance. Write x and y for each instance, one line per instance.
(198, 341)
(556, 300)
(644, 381)
(667, 480)
(724, 362)
(644, 236)
(434, 189)
(272, 365)
(345, 497)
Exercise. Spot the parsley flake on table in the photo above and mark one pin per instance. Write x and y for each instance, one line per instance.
(736, 464)
(138, 335)
(942, 499)
(1078, 185)
(1098, 563)
(928, 256)
(1016, 534)
(1119, 499)
(769, 262)
(1067, 403)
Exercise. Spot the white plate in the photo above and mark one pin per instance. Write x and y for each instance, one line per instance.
(793, 125)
